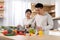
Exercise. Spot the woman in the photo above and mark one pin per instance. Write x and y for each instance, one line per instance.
(28, 20)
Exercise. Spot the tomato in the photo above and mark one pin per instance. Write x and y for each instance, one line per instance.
(5, 32)
(20, 33)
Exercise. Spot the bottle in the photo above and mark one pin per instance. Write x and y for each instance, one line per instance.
(40, 33)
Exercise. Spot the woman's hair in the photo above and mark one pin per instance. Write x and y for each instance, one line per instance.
(28, 10)
(39, 5)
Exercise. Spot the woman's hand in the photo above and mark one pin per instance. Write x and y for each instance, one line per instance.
(27, 26)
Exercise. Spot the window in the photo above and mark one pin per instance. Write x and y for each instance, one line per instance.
(16, 12)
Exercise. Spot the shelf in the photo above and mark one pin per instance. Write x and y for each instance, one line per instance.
(49, 5)
(1, 1)
(33, 4)
(1, 9)
(56, 18)
(51, 12)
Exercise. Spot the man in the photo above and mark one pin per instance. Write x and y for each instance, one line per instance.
(42, 20)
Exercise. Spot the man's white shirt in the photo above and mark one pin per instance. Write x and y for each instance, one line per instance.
(44, 21)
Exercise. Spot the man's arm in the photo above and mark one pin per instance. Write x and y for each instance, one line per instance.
(50, 23)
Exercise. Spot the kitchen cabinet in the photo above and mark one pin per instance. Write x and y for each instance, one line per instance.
(1, 0)
(1, 8)
(56, 23)
(48, 8)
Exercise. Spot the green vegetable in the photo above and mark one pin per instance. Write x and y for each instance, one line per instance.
(9, 31)
(12, 27)
(9, 35)
(31, 30)
(3, 27)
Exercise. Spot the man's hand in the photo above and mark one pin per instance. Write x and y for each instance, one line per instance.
(39, 28)
(19, 26)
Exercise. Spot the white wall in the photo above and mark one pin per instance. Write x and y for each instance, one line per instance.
(57, 9)
(48, 2)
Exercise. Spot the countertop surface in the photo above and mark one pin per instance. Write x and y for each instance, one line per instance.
(44, 37)
(27, 37)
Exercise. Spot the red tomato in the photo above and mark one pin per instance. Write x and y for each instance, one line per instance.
(20, 33)
(5, 32)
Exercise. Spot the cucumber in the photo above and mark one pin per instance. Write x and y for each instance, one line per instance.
(9, 35)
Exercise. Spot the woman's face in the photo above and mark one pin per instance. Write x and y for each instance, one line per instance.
(28, 14)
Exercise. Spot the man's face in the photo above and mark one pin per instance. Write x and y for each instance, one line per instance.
(28, 14)
(39, 10)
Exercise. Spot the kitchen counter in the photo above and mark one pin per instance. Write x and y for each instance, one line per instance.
(45, 37)
(19, 37)
(56, 23)
(4, 38)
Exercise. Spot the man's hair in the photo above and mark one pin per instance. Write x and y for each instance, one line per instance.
(39, 5)
(28, 10)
